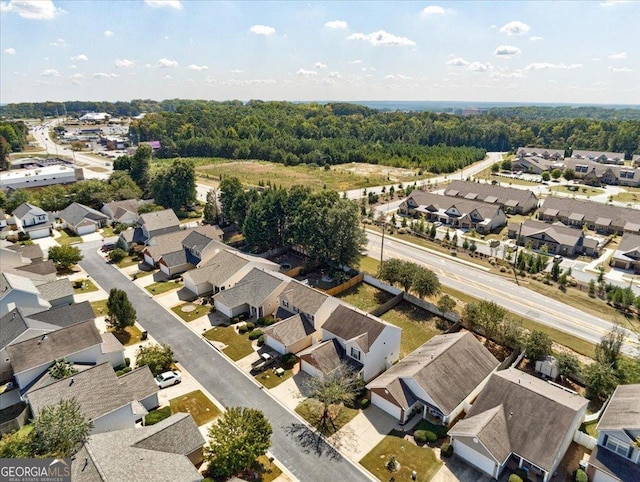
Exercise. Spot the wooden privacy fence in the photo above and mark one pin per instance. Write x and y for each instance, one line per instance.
(346, 285)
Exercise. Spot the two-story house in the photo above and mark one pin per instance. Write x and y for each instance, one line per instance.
(616, 458)
(32, 220)
(367, 343)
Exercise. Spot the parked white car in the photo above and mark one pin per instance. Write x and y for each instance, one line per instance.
(168, 379)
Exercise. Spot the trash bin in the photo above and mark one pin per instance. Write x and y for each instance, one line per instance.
(144, 336)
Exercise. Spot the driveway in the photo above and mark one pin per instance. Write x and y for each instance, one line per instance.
(293, 444)
(455, 470)
(292, 391)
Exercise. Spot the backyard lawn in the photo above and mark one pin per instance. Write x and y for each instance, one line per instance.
(409, 458)
(364, 296)
(197, 404)
(311, 411)
(418, 325)
(83, 286)
(99, 307)
(238, 346)
(189, 312)
(162, 287)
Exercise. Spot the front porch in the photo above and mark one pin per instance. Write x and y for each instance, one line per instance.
(517, 464)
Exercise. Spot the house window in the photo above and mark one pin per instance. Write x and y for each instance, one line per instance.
(355, 353)
(618, 447)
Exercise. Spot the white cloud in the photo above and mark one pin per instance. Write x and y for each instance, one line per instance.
(104, 75)
(515, 28)
(175, 4)
(236, 71)
(358, 61)
(432, 10)
(506, 51)
(197, 67)
(337, 24)
(547, 66)
(73, 66)
(262, 30)
(398, 77)
(596, 59)
(611, 3)
(167, 76)
(335, 75)
(382, 37)
(76, 78)
(319, 65)
(618, 56)
(620, 69)
(50, 73)
(306, 73)
(164, 63)
(480, 67)
(243, 82)
(535, 39)
(124, 63)
(32, 9)
(10, 51)
(457, 62)
(108, 33)
(516, 74)
(82, 57)
(58, 43)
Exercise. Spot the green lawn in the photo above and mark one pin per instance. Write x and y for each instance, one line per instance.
(269, 379)
(409, 456)
(130, 336)
(128, 261)
(364, 296)
(590, 428)
(369, 265)
(107, 232)
(585, 191)
(68, 237)
(142, 274)
(157, 415)
(311, 411)
(191, 315)
(418, 325)
(439, 430)
(197, 404)
(99, 307)
(86, 287)
(162, 287)
(262, 471)
(238, 346)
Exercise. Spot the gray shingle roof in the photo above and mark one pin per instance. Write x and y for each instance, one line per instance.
(290, 330)
(328, 355)
(502, 193)
(55, 290)
(527, 402)
(32, 251)
(303, 297)
(447, 367)
(14, 324)
(76, 213)
(254, 288)
(173, 242)
(139, 382)
(564, 207)
(177, 258)
(57, 344)
(429, 201)
(159, 220)
(218, 269)
(558, 232)
(157, 451)
(26, 208)
(623, 410)
(43, 268)
(66, 315)
(349, 324)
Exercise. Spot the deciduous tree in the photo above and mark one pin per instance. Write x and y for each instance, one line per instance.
(65, 256)
(140, 166)
(59, 430)
(158, 358)
(121, 312)
(537, 345)
(425, 282)
(608, 350)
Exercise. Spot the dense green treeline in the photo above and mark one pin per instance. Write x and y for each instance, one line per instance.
(541, 113)
(13, 138)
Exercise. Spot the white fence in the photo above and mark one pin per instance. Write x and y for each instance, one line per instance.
(585, 440)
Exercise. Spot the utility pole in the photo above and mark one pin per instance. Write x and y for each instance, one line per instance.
(384, 223)
(515, 255)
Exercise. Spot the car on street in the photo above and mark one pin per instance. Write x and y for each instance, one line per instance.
(168, 379)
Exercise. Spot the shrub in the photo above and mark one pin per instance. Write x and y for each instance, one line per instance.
(243, 329)
(446, 450)
(255, 334)
(424, 436)
(235, 320)
(250, 325)
(514, 478)
(261, 340)
(364, 403)
(127, 362)
(581, 476)
(503, 269)
(158, 415)
(269, 321)
(260, 321)
(123, 371)
(289, 359)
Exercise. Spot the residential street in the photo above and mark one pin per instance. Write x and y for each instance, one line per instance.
(293, 445)
(518, 299)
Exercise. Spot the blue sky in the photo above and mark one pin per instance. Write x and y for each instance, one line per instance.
(508, 51)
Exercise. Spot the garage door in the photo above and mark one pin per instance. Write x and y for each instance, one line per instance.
(386, 405)
(474, 458)
(224, 309)
(87, 229)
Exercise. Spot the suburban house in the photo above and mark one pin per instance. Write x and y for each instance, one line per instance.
(16, 290)
(42, 269)
(439, 379)
(79, 343)
(518, 421)
(183, 250)
(616, 458)
(365, 342)
(124, 212)
(595, 174)
(302, 311)
(556, 154)
(604, 218)
(82, 219)
(256, 293)
(512, 200)
(32, 220)
(32, 252)
(13, 258)
(558, 238)
(111, 402)
(627, 256)
(537, 165)
(224, 270)
(483, 217)
(148, 226)
(601, 157)
(165, 452)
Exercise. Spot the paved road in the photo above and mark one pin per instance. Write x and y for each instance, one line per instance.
(294, 446)
(518, 299)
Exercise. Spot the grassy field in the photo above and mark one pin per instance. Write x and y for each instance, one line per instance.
(87, 287)
(197, 404)
(254, 172)
(67, 237)
(584, 191)
(409, 456)
(418, 326)
(238, 346)
(191, 315)
(364, 296)
(99, 307)
(311, 411)
(162, 287)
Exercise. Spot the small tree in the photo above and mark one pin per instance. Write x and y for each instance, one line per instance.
(62, 369)
(65, 256)
(212, 213)
(408, 271)
(117, 255)
(556, 173)
(592, 289)
(473, 247)
(432, 231)
(236, 440)
(390, 271)
(537, 345)
(545, 176)
(446, 304)
(568, 364)
(59, 430)
(486, 315)
(120, 311)
(608, 350)
(555, 271)
(425, 282)
(158, 358)
(600, 380)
